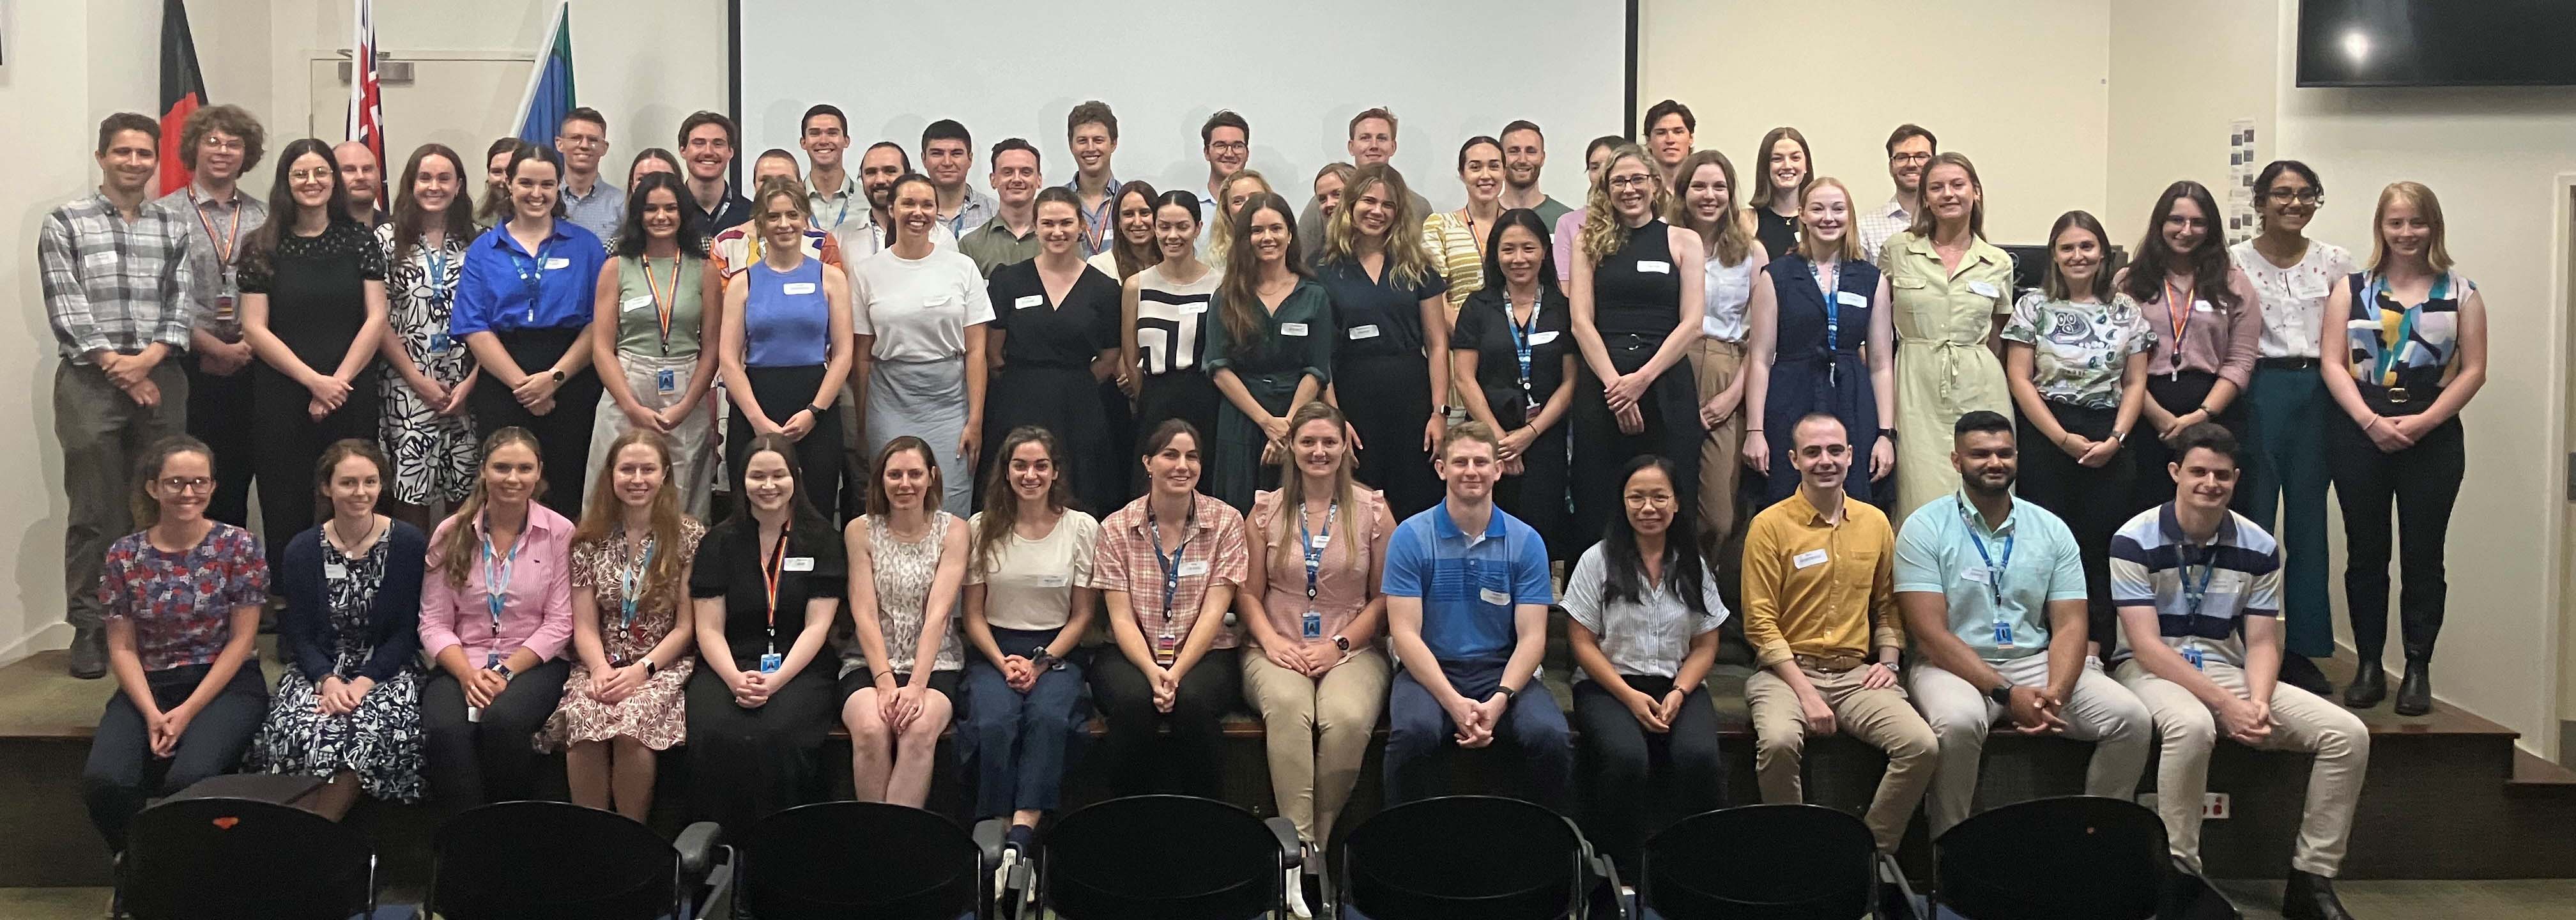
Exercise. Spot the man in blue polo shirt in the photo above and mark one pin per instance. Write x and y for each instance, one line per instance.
(1467, 596)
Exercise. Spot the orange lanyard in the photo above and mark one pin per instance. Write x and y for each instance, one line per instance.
(769, 575)
(662, 306)
(223, 244)
(2178, 312)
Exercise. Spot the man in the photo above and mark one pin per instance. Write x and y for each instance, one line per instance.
(707, 142)
(1012, 235)
(1992, 588)
(2198, 591)
(219, 143)
(1371, 140)
(599, 207)
(1669, 128)
(831, 194)
(1225, 140)
(1909, 149)
(1092, 131)
(120, 294)
(734, 250)
(947, 152)
(1524, 155)
(1596, 157)
(775, 163)
(1820, 613)
(1467, 595)
(872, 232)
(364, 178)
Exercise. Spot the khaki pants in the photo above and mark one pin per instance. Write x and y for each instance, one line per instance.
(1318, 732)
(103, 433)
(2100, 711)
(1713, 363)
(2301, 722)
(1880, 718)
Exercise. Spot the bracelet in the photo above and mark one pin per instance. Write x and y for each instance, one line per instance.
(1753, 431)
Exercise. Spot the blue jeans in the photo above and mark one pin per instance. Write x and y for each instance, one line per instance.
(1020, 739)
(1418, 728)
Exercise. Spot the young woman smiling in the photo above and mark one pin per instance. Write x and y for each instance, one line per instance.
(1515, 360)
(1270, 351)
(495, 614)
(1054, 341)
(1390, 328)
(1820, 340)
(2208, 326)
(1635, 303)
(1707, 206)
(1168, 566)
(922, 361)
(426, 428)
(524, 309)
(1028, 600)
(1949, 292)
(786, 345)
(899, 678)
(654, 332)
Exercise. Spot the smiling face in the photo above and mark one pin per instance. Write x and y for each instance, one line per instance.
(1670, 140)
(2405, 229)
(353, 487)
(766, 479)
(915, 209)
(1059, 228)
(1468, 467)
(1949, 193)
(1227, 148)
(905, 479)
(1373, 211)
(1318, 448)
(782, 221)
(1483, 173)
(1632, 190)
(2288, 203)
(1239, 190)
(511, 473)
(1986, 461)
(183, 486)
(1905, 162)
(1520, 254)
(1328, 193)
(1707, 195)
(582, 143)
(534, 189)
(1176, 231)
(1785, 165)
(1092, 147)
(946, 161)
(1270, 236)
(661, 214)
(2203, 479)
(219, 156)
(1015, 178)
(824, 139)
(1649, 500)
(1821, 453)
(1032, 471)
(637, 475)
(708, 152)
(1524, 155)
(1372, 141)
(1135, 219)
(878, 169)
(309, 178)
(2078, 255)
(1174, 468)
(1827, 214)
(2185, 227)
(435, 184)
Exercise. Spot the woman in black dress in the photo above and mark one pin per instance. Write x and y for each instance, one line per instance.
(1054, 339)
(1634, 318)
(1391, 336)
(1513, 341)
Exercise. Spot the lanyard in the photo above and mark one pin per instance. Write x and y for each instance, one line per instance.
(532, 275)
(629, 578)
(662, 306)
(2196, 595)
(1829, 281)
(437, 259)
(496, 581)
(1313, 545)
(1521, 347)
(1994, 573)
(224, 244)
(770, 569)
(2390, 351)
(839, 216)
(1171, 566)
(2178, 312)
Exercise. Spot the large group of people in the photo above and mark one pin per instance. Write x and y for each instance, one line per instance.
(960, 431)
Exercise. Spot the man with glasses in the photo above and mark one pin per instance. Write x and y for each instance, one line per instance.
(590, 204)
(1226, 141)
(1909, 149)
(220, 143)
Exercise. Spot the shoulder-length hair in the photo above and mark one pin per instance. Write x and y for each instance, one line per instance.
(1221, 230)
(1001, 502)
(1685, 563)
(539, 153)
(1347, 493)
(631, 238)
(146, 509)
(257, 252)
(2052, 283)
(1525, 219)
(2207, 263)
(456, 553)
(1924, 222)
(800, 509)
(2437, 253)
(340, 450)
(1130, 257)
(1731, 238)
(1603, 232)
(1848, 248)
(1406, 261)
(1762, 165)
(456, 223)
(1239, 294)
(604, 513)
(878, 504)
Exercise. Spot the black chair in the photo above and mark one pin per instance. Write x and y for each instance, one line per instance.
(223, 858)
(558, 861)
(1761, 862)
(2070, 856)
(1166, 857)
(865, 859)
(1471, 856)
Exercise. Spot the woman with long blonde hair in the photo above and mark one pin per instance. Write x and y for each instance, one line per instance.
(495, 614)
(1238, 188)
(1633, 316)
(1710, 203)
(1950, 292)
(1390, 338)
(1806, 347)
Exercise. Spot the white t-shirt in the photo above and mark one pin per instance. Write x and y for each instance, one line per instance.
(919, 309)
(861, 237)
(1728, 289)
(2294, 298)
(1029, 585)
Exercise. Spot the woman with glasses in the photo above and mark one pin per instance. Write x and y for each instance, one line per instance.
(1635, 309)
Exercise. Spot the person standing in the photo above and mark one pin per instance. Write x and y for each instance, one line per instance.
(426, 431)
(1820, 339)
(832, 195)
(1390, 337)
(1371, 141)
(523, 308)
(1163, 323)
(707, 143)
(1130, 247)
(220, 144)
(1669, 129)
(920, 324)
(1910, 149)
(2208, 323)
(363, 178)
(1514, 358)
(1011, 235)
(1569, 226)
(1780, 195)
(1091, 132)
(1456, 239)
(653, 370)
(870, 233)
(1225, 141)
(589, 203)
(1270, 351)
(495, 613)
(1635, 307)
(1729, 257)
(1054, 340)
(785, 347)
(1171, 661)
(496, 181)
(1524, 157)
(947, 154)
(1221, 211)
(1028, 600)
(899, 671)
(1949, 292)
(120, 295)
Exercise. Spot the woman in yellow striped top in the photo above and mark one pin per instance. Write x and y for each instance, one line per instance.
(1456, 239)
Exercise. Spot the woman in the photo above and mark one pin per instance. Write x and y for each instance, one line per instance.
(1780, 197)
(524, 309)
(1390, 337)
(1643, 611)
(348, 710)
(1814, 351)
(426, 428)
(1168, 566)
(1456, 239)
(496, 183)
(1137, 249)
(182, 605)
(2411, 351)
(2075, 355)
(1317, 676)
(1949, 292)
(2292, 276)
(1330, 182)
(1633, 318)
(920, 326)
(652, 376)
(1029, 599)
(1134, 248)
(622, 703)
(313, 310)
(2208, 330)
(1163, 323)
(1512, 342)
(786, 346)
(764, 590)
(898, 683)
(1569, 225)
(1271, 348)
(1055, 340)
(1728, 258)
(495, 612)
(652, 160)
(1238, 189)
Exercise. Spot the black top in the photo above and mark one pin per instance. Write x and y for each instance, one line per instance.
(731, 211)
(1048, 334)
(1376, 317)
(729, 566)
(316, 287)
(1779, 235)
(393, 620)
(1486, 327)
(1637, 290)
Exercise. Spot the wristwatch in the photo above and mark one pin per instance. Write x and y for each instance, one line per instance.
(1342, 642)
(503, 669)
(1888, 433)
(817, 411)
(2001, 695)
(1507, 692)
(557, 375)
(651, 669)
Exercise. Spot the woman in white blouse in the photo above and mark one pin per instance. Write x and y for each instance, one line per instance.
(1706, 204)
(1028, 600)
(920, 330)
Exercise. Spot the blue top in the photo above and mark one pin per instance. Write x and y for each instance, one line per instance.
(1947, 549)
(393, 621)
(505, 288)
(787, 319)
(1468, 583)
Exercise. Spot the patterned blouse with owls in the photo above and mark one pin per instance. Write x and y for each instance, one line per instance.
(2079, 350)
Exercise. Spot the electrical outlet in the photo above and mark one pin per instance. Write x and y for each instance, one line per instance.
(2214, 806)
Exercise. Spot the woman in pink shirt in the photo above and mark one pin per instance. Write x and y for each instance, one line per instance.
(2209, 328)
(495, 611)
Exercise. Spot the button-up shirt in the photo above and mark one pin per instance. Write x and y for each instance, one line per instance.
(2001, 575)
(216, 229)
(1817, 588)
(1098, 224)
(831, 209)
(506, 288)
(861, 237)
(2238, 574)
(1469, 584)
(1643, 636)
(599, 212)
(1881, 224)
(1126, 561)
(973, 212)
(536, 593)
(2294, 298)
(113, 284)
(993, 245)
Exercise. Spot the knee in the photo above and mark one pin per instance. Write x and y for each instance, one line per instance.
(1789, 741)
(1545, 736)
(1619, 764)
(2125, 720)
(2346, 738)
(1951, 728)
(2190, 729)
(1913, 744)
(1340, 716)
(1411, 735)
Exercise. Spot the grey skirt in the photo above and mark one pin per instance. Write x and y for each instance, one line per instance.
(925, 399)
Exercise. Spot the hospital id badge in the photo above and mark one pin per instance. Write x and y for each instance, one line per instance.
(2192, 655)
(224, 308)
(438, 343)
(1167, 649)
(2003, 634)
(667, 381)
(1312, 627)
(770, 662)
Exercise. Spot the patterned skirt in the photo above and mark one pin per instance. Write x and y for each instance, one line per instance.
(379, 741)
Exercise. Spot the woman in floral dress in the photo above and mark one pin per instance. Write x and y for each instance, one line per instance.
(425, 424)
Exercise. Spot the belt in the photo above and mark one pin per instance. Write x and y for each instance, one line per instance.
(1830, 664)
(2400, 400)
(1630, 341)
(2286, 364)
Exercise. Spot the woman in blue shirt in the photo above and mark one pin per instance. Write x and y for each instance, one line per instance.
(1391, 336)
(791, 317)
(523, 308)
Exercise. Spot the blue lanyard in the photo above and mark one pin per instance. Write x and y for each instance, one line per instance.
(1521, 347)
(496, 585)
(2197, 595)
(437, 260)
(1994, 573)
(842, 215)
(1833, 320)
(1313, 545)
(628, 578)
(1171, 565)
(532, 275)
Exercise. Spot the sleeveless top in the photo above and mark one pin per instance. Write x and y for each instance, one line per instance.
(787, 319)
(1808, 331)
(1171, 320)
(904, 572)
(644, 291)
(1634, 290)
(1728, 288)
(2393, 344)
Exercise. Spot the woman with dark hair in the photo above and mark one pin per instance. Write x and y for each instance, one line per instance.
(1133, 249)
(1390, 337)
(495, 614)
(524, 307)
(1706, 204)
(1634, 309)
(654, 328)
(652, 160)
(1569, 225)
(1785, 169)
(1456, 239)
(1054, 342)
(1168, 566)
(899, 672)
(1949, 292)
(1163, 325)
(1028, 600)
(1270, 350)
(313, 309)
(2209, 328)
(496, 183)
(921, 319)
(786, 344)
(1514, 357)
(426, 430)
(1818, 334)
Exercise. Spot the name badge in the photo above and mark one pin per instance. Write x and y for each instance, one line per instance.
(1322, 540)
(1808, 559)
(558, 262)
(1491, 596)
(795, 288)
(1194, 567)
(1364, 332)
(1852, 300)
(2003, 635)
(638, 302)
(1653, 267)
(2200, 306)
(334, 570)
(667, 381)
(1194, 308)
(1981, 289)
(1029, 301)
(796, 564)
(1053, 581)
(1296, 329)
(1543, 338)
(224, 308)
(2306, 287)
(1975, 573)
(771, 662)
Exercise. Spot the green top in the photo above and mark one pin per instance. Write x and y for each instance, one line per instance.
(1551, 210)
(1296, 341)
(992, 246)
(640, 303)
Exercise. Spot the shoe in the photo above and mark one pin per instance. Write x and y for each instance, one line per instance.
(2369, 686)
(2298, 671)
(2415, 693)
(2311, 897)
(89, 653)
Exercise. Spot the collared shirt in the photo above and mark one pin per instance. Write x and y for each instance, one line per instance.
(1817, 588)
(1931, 302)
(536, 603)
(181, 604)
(599, 212)
(216, 229)
(1125, 561)
(1643, 636)
(2294, 298)
(2214, 340)
(731, 211)
(113, 284)
(862, 237)
(1939, 552)
(1098, 224)
(1881, 224)
(993, 245)
(737, 249)
(2150, 558)
(506, 288)
(1469, 584)
(1342, 585)
(839, 206)
(974, 211)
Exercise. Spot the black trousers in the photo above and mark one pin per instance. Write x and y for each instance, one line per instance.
(1388, 400)
(1189, 763)
(746, 763)
(1671, 409)
(1537, 495)
(2178, 394)
(563, 435)
(2051, 479)
(781, 392)
(2424, 480)
(122, 774)
(286, 443)
(219, 413)
(468, 763)
(1620, 753)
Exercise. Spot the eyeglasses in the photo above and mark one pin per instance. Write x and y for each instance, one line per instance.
(2306, 196)
(574, 140)
(187, 484)
(310, 175)
(1909, 158)
(1631, 181)
(1229, 146)
(226, 145)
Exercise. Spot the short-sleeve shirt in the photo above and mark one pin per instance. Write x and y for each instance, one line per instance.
(1342, 587)
(1028, 584)
(2150, 559)
(993, 246)
(316, 289)
(1469, 584)
(918, 309)
(508, 288)
(1486, 327)
(1044, 333)
(1376, 317)
(599, 212)
(2294, 298)
(2079, 351)
(1947, 549)
(1125, 560)
(2215, 339)
(729, 566)
(1452, 242)
(1647, 635)
(181, 604)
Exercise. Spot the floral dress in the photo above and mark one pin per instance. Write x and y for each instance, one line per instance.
(380, 740)
(433, 455)
(655, 714)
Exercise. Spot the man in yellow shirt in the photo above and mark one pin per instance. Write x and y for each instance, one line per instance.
(1820, 613)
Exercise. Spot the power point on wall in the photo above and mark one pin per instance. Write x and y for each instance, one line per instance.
(2214, 806)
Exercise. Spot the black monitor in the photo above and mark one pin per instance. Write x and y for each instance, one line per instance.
(2436, 43)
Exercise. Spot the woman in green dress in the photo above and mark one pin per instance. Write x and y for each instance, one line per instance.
(1270, 350)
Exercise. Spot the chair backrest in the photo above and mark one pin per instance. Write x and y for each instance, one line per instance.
(190, 858)
(1160, 857)
(858, 859)
(2069, 856)
(550, 860)
(1761, 862)
(1462, 856)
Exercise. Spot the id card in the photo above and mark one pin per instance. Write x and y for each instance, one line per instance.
(667, 381)
(1312, 627)
(2003, 634)
(2192, 654)
(1167, 649)
(224, 308)
(438, 342)
(771, 662)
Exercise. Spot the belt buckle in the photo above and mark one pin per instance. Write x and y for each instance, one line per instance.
(2398, 395)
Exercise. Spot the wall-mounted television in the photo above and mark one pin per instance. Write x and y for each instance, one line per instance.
(2437, 43)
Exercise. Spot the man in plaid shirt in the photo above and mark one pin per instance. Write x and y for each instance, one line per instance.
(118, 294)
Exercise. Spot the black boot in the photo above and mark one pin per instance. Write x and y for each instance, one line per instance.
(2415, 693)
(89, 653)
(2298, 671)
(2369, 685)
(2311, 897)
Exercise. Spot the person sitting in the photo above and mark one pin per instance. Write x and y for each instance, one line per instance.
(1028, 601)
(899, 673)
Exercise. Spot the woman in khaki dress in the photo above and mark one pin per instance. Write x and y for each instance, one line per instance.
(1951, 291)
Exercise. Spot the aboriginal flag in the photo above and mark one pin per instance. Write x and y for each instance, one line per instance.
(183, 90)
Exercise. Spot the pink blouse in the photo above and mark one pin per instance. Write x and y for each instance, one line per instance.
(536, 605)
(1341, 579)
